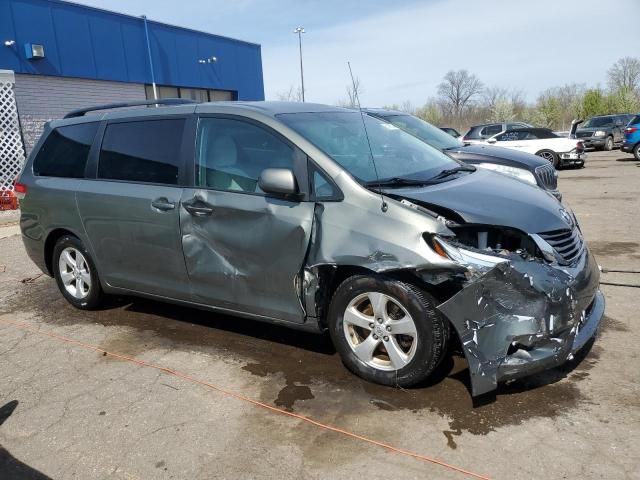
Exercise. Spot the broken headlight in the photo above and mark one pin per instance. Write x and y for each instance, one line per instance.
(518, 173)
(472, 260)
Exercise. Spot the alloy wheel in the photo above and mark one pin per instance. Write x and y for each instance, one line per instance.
(380, 331)
(548, 156)
(74, 273)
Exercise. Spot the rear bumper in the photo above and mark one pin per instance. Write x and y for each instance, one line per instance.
(522, 317)
(628, 147)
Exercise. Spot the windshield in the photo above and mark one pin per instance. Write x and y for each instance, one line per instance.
(397, 154)
(598, 122)
(424, 131)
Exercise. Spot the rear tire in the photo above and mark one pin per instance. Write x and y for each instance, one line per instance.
(550, 156)
(608, 144)
(386, 331)
(76, 274)
(636, 151)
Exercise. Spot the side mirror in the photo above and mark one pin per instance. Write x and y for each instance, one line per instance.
(492, 140)
(278, 181)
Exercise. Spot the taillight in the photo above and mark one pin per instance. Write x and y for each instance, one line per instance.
(631, 129)
(20, 189)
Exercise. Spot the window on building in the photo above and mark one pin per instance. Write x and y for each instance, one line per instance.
(163, 92)
(221, 95)
(197, 94)
(232, 154)
(146, 151)
(65, 151)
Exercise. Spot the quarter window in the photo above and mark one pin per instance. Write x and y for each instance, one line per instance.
(147, 151)
(321, 186)
(491, 130)
(232, 154)
(65, 151)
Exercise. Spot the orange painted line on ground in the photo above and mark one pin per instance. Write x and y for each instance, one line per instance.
(238, 396)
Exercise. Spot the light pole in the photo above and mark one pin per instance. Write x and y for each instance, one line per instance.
(300, 31)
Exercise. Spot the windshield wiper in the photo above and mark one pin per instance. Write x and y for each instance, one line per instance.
(451, 171)
(397, 182)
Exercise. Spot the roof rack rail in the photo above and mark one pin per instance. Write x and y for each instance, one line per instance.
(165, 101)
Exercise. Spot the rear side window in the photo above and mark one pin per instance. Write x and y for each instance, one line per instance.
(491, 130)
(635, 120)
(65, 151)
(145, 151)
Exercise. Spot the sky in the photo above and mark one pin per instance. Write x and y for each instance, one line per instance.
(401, 49)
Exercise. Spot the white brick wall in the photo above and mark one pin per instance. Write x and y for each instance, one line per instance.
(42, 98)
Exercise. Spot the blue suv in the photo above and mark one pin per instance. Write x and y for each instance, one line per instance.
(632, 137)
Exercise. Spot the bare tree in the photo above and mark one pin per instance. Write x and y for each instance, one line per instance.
(625, 75)
(294, 94)
(492, 95)
(458, 90)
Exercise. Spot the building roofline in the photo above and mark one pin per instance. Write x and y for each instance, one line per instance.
(170, 25)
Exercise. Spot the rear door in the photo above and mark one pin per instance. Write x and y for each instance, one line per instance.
(245, 250)
(130, 209)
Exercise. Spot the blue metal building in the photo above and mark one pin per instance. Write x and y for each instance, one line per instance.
(64, 56)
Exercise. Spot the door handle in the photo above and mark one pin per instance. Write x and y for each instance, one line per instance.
(163, 204)
(198, 209)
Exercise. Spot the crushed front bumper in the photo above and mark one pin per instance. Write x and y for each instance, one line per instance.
(522, 317)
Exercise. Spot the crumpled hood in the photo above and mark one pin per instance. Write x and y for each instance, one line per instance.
(497, 153)
(486, 197)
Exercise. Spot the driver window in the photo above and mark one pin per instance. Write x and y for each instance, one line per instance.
(231, 154)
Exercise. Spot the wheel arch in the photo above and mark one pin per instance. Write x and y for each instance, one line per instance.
(50, 243)
(329, 278)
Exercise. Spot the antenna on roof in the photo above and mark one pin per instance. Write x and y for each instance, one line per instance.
(384, 207)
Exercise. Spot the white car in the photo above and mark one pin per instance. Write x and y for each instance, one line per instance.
(560, 151)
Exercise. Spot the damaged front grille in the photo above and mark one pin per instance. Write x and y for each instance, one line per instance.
(568, 244)
(548, 176)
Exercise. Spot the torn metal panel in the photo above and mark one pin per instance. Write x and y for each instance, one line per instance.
(523, 316)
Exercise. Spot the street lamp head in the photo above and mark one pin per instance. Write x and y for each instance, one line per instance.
(299, 30)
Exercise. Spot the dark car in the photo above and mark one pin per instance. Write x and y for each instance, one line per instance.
(603, 132)
(479, 133)
(275, 211)
(451, 131)
(523, 166)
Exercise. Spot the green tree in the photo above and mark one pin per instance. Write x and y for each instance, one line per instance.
(594, 102)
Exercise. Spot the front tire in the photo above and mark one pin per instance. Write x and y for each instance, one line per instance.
(76, 274)
(386, 331)
(550, 156)
(636, 151)
(608, 144)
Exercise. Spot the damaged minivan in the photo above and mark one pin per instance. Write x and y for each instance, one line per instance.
(317, 218)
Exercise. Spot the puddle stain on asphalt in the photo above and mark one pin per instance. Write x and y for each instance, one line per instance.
(302, 371)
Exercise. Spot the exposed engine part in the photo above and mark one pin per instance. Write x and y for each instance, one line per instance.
(499, 240)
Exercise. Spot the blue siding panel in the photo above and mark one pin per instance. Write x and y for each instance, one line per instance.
(74, 42)
(86, 42)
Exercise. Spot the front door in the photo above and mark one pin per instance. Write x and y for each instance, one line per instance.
(245, 250)
(130, 211)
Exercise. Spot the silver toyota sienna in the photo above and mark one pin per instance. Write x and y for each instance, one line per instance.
(317, 218)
